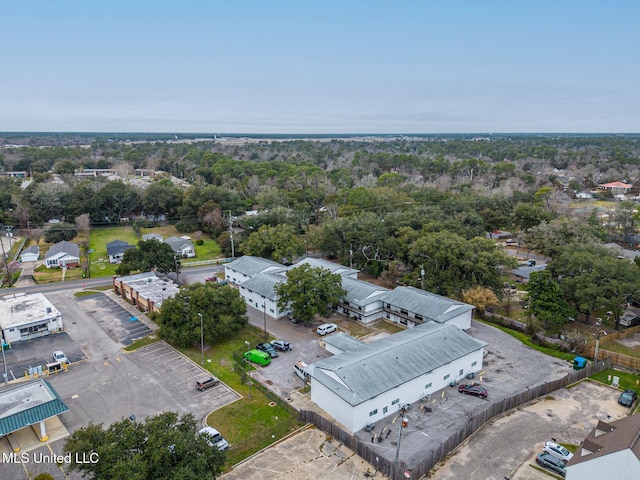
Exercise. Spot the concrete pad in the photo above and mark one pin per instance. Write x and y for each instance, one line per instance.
(309, 454)
(28, 439)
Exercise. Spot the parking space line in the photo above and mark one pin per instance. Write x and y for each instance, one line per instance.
(152, 350)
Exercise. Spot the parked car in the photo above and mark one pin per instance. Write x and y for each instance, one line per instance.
(205, 383)
(552, 463)
(256, 356)
(473, 389)
(557, 451)
(326, 328)
(627, 398)
(267, 348)
(213, 438)
(59, 356)
(281, 345)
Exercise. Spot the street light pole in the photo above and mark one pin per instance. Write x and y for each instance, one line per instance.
(4, 363)
(201, 338)
(264, 317)
(595, 356)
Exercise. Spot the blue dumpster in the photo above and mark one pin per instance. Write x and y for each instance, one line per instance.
(579, 363)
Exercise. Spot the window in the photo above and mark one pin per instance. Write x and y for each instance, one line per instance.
(474, 364)
(460, 372)
(373, 412)
(385, 409)
(403, 311)
(396, 401)
(445, 377)
(428, 386)
(418, 317)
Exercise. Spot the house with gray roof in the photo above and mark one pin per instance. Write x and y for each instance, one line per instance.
(152, 236)
(366, 383)
(62, 254)
(116, 250)
(609, 447)
(30, 254)
(182, 246)
(522, 273)
(411, 306)
(259, 292)
(344, 272)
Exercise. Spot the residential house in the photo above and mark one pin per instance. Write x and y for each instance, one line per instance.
(116, 250)
(62, 254)
(30, 254)
(609, 447)
(411, 306)
(182, 246)
(522, 274)
(152, 236)
(367, 382)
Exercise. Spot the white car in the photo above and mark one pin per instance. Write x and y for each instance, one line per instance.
(557, 451)
(326, 328)
(213, 438)
(59, 356)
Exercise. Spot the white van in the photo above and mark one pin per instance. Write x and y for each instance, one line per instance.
(326, 328)
(300, 369)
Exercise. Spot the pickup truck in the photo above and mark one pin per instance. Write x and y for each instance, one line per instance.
(205, 383)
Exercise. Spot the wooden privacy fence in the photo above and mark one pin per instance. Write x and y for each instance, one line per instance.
(617, 359)
(431, 456)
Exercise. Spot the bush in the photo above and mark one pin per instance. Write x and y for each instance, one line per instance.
(199, 242)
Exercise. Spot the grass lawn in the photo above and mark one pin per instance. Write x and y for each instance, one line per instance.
(99, 237)
(622, 349)
(249, 423)
(627, 379)
(143, 342)
(100, 265)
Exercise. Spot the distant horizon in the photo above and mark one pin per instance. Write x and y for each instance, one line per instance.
(332, 68)
(316, 134)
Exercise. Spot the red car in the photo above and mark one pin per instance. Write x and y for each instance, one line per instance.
(473, 389)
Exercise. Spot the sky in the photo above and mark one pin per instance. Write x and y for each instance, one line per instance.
(270, 66)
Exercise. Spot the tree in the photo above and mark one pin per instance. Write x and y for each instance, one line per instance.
(547, 301)
(453, 264)
(592, 277)
(59, 232)
(277, 243)
(151, 255)
(481, 297)
(548, 236)
(222, 308)
(309, 291)
(162, 447)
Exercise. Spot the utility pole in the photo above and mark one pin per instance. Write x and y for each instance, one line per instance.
(403, 424)
(422, 272)
(201, 339)
(6, 262)
(233, 255)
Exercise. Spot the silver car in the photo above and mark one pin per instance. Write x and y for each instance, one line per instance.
(557, 451)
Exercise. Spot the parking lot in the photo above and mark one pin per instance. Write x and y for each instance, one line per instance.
(120, 324)
(111, 385)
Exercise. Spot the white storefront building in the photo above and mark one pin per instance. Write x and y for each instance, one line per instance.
(27, 316)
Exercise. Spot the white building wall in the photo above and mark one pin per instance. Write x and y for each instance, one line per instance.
(258, 302)
(388, 403)
(234, 276)
(16, 333)
(624, 463)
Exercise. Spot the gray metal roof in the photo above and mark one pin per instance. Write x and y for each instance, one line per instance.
(359, 375)
(69, 248)
(525, 272)
(251, 266)
(118, 246)
(264, 284)
(426, 304)
(177, 243)
(362, 293)
(344, 342)
(27, 404)
(31, 249)
(332, 267)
